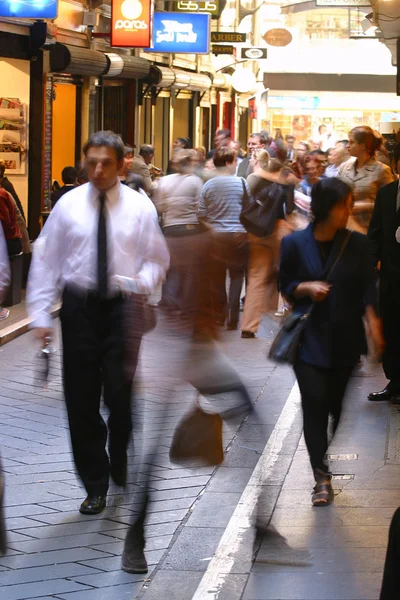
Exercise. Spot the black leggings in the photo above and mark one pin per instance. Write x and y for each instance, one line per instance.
(322, 391)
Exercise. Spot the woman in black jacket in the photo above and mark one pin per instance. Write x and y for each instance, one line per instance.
(334, 335)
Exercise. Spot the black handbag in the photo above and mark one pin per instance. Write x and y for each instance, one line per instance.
(260, 215)
(287, 342)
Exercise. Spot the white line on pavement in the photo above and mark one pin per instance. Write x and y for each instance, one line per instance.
(222, 562)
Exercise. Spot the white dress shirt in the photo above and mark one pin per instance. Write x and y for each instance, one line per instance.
(66, 250)
(5, 275)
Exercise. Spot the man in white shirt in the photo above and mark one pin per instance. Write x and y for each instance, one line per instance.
(96, 233)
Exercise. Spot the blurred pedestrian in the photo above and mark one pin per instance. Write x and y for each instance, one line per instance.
(222, 138)
(365, 175)
(327, 272)
(291, 152)
(313, 172)
(180, 143)
(298, 166)
(384, 234)
(391, 578)
(7, 185)
(221, 202)
(129, 155)
(261, 285)
(69, 176)
(5, 278)
(141, 166)
(97, 233)
(337, 157)
(176, 199)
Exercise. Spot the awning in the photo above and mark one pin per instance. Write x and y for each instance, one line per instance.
(82, 61)
(78, 61)
(183, 80)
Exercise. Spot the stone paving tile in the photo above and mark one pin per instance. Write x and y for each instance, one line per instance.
(30, 590)
(119, 592)
(63, 571)
(26, 561)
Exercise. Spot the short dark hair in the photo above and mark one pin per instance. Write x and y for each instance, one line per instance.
(223, 156)
(69, 175)
(187, 144)
(261, 136)
(128, 150)
(326, 194)
(224, 132)
(146, 150)
(289, 137)
(105, 138)
(2, 168)
(344, 142)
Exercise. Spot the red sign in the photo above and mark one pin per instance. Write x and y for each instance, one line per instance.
(131, 23)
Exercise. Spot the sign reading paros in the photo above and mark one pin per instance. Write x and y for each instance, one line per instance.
(130, 23)
(181, 33)
(29, 9)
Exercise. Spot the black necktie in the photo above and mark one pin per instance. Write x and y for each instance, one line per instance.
(102, 262)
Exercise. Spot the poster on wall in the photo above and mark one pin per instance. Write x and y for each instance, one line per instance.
(301, 127)
(13, 135)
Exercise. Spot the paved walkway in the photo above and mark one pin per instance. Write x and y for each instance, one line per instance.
(199, 518)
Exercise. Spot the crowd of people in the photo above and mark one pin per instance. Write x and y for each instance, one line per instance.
(328, 220)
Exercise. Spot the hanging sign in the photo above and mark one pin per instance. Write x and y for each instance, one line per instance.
(278, 37)
(218, 49)
(130, 23)
(253, 53)
(200, 6)
(29, 9)
(181, 33)
(228, 37)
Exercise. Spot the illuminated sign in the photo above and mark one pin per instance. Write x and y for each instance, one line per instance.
(29, 9)
(225, 37)
(201, 6)
(131, 23)
(181, 33)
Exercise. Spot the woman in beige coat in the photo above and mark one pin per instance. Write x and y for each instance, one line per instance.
(365, 175)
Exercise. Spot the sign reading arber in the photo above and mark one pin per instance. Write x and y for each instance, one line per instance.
(131, 23)
(181, 33)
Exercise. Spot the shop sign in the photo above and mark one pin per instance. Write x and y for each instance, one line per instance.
(181, 33)
(29, 9)
(198, 7)
(342, 3)
(278, 37)
(225, 37)
(253, 53)
(221, 49)
(296, 102)
(131, 23)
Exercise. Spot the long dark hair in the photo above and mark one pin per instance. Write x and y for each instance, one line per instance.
(325, 194)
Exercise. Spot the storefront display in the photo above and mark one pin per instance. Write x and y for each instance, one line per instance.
(13, 135)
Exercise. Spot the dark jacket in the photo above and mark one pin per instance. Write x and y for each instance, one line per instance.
(244, 168)
(7, 185)
(57, 194)
(382, 235)
(334, 334)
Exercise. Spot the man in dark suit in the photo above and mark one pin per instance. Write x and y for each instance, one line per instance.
(255, 141)
(69, 176)
(384, 234)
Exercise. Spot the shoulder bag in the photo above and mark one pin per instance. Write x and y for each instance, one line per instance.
(259, 216)
(286, 345)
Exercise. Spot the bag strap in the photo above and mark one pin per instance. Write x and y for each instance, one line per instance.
(339, 256)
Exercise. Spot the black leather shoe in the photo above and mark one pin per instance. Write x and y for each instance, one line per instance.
(248, 335)
(118, 473)
(232, 326)
(384, 394)
(93, 505)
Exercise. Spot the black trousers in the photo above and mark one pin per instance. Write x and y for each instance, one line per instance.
(389, 309)
(229, 252)
(93, 361)
(322, 392)
(391, 576)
